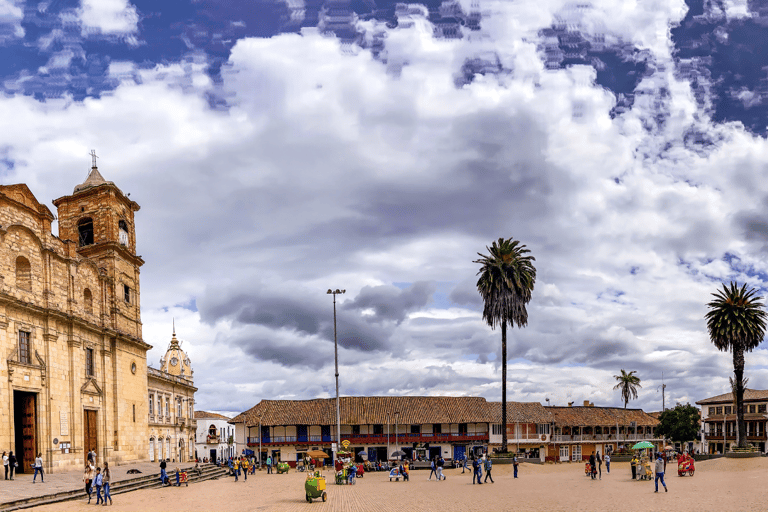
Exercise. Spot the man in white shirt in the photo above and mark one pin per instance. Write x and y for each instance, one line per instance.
(38, 467)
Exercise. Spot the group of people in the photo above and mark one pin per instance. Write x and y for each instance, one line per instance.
(484, 463)
(244, 464)
(596, 464)
(11, 464)
(96, 478)
(437, 468)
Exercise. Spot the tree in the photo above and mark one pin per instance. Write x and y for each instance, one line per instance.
(628, 383)
(680, 424)
(736, 322)
(507, 276)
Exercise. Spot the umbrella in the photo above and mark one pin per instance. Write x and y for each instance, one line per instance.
(318, 454)
(398, 453)
(642, 444)
(669, 447)
(363, 454)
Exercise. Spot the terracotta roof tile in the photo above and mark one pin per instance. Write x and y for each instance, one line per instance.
(602, 416)
(726, 398)
(205, 415)
(522, 412)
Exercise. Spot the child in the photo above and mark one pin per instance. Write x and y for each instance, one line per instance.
(97, 482)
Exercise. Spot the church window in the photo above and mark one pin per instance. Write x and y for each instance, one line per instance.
(127, 293)
(159, 406)
(23, 273)
(88, 301)
(24, 353)
(134, 413)
(151, 405)
(85, 229)
(167, 407)
(178, 408)
(89, 362)
(123, 232)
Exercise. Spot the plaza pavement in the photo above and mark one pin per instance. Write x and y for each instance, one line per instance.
(718, 485)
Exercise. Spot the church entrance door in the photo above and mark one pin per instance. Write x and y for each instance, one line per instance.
(25, 426)
(90, 437)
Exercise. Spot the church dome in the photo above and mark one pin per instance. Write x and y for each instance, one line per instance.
(176, 362)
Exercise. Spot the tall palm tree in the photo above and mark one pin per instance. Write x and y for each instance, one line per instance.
(736, 322)
(628, 384)
(507, 276)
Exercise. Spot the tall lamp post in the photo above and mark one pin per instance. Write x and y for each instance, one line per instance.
(336, 360)
(396, 447)
(259, 441)
(388, 452)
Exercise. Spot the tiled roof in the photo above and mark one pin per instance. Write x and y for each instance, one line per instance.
(368, 410)
(522, 412)
(207, 415)
(603, 416)
(727, 398)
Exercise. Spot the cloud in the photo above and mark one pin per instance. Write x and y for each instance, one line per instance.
(108, 17)
(11, 16)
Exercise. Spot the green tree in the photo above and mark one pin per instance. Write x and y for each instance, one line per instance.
(736, 322)
(628, 383)
(507, 277)
(680, 424)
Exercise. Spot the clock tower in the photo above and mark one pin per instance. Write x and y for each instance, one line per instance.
(176, 362)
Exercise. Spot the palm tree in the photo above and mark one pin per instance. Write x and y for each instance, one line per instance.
(628, 384)
(736, 322)
(507, 276)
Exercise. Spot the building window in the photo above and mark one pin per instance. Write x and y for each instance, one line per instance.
(437, 428)
(542, 428)
(151, 405)
(727, 409)
(24, 349)
(89, 362)
(127, 293)
(355, 430)
(168, 407)
(23, 273)
(134, 413)
(496, 430)
(711, 411)
(178, 408)
(719, 410)
(415, 429)
(88, 301)
(752, 409)
(85, 229)
(191, 412)
(123, 232)
(159, 406)
(761, 408)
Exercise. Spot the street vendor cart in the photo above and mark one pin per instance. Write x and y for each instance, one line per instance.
(314, 487)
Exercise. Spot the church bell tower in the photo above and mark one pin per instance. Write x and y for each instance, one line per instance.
(97, 221)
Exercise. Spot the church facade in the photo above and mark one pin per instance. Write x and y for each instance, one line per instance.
(74, 363)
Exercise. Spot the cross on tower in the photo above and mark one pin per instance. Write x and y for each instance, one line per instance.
(93, 157)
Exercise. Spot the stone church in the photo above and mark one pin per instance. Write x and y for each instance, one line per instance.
(70, 328)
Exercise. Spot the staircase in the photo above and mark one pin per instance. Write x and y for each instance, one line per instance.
(208, 472)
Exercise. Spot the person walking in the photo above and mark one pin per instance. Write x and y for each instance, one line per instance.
(433, 467)
(106, 476)
(488, 467)
(38, 468)
(5, 464)
(12, 463)
(633, 464)
(515, 463)
(163, 474)
(464, 466)
(245, 468)
(98, 482)
(235, 468)
(269, 464)
(88, 479)
(660, 473)
(599, 466)
(478, 471)
(92, 457)
(607, 460)
(440, 464)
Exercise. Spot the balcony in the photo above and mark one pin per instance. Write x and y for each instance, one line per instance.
(374, 439)
(213, 439)
(580, 438)
(718, 436)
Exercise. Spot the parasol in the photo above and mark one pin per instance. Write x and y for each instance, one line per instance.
(318, 454)
(642, 444)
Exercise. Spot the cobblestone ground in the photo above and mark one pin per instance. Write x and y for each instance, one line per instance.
(718, 485)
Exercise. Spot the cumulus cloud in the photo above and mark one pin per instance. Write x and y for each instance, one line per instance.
(11, 15)
(327, 169)
(109, 17)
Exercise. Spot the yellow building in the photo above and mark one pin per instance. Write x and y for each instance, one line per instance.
(70, 327)
(171, 391)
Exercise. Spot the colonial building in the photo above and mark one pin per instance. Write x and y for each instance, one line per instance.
(171, 399)
(718, 420)
(70, 327)
(453, 427)
(215, 436)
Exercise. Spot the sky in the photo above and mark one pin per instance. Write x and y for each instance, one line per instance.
(279, 148)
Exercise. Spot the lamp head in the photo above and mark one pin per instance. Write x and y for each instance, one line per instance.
(329, 291)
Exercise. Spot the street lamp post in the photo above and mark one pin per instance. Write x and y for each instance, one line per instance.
(396, 447)
(336, 360)
(388, 452)
(259, 441)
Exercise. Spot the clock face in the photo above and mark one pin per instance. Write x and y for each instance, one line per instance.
(174, 361)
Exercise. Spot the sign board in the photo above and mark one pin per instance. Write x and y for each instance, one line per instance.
(63, 423)
(333, 446)
(345, 443)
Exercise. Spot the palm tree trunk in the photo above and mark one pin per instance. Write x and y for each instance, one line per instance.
(504, 386)
(738, 370)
